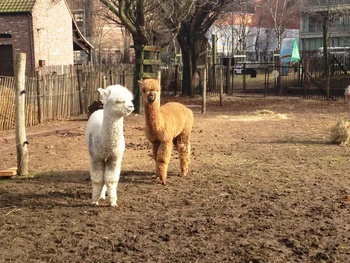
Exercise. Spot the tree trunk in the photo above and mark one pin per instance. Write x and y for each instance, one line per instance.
(186, 72)
(186, 63)
(137, 76)
(194, 53)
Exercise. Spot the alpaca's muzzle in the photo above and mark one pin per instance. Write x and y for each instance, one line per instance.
(151, 97)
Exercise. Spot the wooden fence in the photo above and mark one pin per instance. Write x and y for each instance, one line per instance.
(7, 103)
(61, 92)
(54, 95)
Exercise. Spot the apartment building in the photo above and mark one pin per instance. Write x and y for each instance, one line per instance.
(333, 13)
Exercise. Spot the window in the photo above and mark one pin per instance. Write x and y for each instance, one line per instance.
(79, 16)
(314, 25)
(5, 36)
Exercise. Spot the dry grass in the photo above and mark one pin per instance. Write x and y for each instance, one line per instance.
(260, 115)
(340, 133)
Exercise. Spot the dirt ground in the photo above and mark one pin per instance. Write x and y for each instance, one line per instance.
(266, 185)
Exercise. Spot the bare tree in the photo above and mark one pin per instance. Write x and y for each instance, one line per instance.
(282, 13)
(192, 36)
(150, 22)
(234, 28)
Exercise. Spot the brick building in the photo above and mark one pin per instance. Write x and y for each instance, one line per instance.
(111, 41)
(43, 29)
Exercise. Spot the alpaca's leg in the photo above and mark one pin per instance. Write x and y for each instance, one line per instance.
(111, 178)
(103, 192)
(155, 147)
(184, 149)
(162, 162)
(96, 174)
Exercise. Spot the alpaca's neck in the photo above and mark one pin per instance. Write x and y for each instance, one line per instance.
(154, 118)
(112, 127)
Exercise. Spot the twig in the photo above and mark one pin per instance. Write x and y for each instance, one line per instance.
(13, 210)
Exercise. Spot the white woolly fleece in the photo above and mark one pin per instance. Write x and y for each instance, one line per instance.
(105, 140)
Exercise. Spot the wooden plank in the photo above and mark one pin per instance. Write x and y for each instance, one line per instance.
(151, 62)
(147, 75)
(152, 48)
(147, 48)
(8, 172)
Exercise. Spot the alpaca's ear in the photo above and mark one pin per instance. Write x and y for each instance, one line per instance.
(104, 94)
(140, 82)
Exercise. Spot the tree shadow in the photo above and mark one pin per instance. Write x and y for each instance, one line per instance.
(49, 190)
(84, 176)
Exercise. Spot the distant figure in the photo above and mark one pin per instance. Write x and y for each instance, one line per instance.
(96, 105)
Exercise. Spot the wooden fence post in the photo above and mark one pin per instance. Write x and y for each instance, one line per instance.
(204, 89)
(221, 85)
(21, 141)
(104, 81)
(214, 63)
(279, 78)
(228, 77)
(39, 96)
(306, 77)
(80, 90)
(244, 76)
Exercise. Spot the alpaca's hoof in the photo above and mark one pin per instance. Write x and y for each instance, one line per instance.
(95, 203)
(163, 183)
(113, 205)
(184, 173)
(113, 202)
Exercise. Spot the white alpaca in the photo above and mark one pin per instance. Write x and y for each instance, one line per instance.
(347, 96)
(105, 140)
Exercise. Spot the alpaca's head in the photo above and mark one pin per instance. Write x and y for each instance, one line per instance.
(150, 90)
(117, 100)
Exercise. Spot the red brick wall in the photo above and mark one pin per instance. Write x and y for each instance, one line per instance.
(44, 34)
(18, 26)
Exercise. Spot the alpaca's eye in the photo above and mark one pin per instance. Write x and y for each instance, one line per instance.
(119, 102)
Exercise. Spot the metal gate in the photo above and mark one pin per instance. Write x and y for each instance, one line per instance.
(267, 78)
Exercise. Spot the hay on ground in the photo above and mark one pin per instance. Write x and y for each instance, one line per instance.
(340, 133)
(262, 115)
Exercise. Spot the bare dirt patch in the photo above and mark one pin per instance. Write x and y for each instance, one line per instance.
(266, 185)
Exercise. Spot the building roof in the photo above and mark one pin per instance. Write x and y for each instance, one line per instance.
(15, 6)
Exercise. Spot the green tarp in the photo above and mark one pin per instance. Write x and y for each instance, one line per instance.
(289, 50)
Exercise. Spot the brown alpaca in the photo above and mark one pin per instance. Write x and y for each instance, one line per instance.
(166, 125)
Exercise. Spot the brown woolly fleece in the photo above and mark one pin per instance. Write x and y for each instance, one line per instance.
(166, 125)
